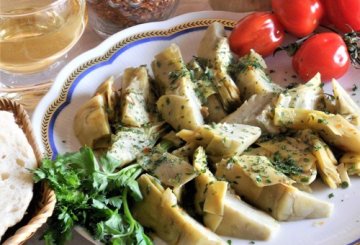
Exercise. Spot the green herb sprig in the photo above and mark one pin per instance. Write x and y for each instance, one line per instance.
(90, 193)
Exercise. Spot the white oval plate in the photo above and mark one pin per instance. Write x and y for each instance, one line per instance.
(76, 83)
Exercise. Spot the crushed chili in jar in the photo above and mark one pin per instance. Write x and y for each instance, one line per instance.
(110, 16)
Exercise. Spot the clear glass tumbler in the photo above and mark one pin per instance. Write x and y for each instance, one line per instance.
(35, 36)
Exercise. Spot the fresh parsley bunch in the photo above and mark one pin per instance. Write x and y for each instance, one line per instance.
(91, 194)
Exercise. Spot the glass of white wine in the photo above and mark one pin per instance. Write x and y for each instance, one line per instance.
(34, 37)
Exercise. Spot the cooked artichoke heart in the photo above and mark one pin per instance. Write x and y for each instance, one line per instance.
(128, 142)
(169, 169)
(214, 47)
(296, 152)
(351, 162)
(106, 89)
(256, 111)
(222, 139)
(251, 178)
(232, 217)
(159, 211)
(179, 112)
(252, 78)
(168, 62)
(91, 122)
(304, 96)
(345, 105)
(335, 129)
(325, 159)
(137, 99)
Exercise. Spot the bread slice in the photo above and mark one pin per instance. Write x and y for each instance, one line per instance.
(16, 184)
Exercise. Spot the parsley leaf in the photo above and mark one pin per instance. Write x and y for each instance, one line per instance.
(90, 193)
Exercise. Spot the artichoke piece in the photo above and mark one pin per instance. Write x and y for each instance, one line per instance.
(203, 80)
(304, 96)
(169, 169)
(345, 105)
(351, 162)
(256, 111)
(106, 89)
(215, 109)
(344, 176)
(215, 195)
(172, 76)
(335, 129)
(258, 182)
(137, 100)
(180, 106)
(258, 169)
(128, 142)
(186, 151)
(203, 180)
(288, 152)
(91, 123)
(242, 221)
(206, 91)
(210, 193)
(159, 211)
(214, 204)
(232, 217)
(291, 118)
(251, 76)
(214, 47)
(168, 66)
(179, 112)
(171, 137)
(326, 161)
(258, 151)
(223, 139)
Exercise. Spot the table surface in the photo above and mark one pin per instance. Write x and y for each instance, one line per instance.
(90, 40)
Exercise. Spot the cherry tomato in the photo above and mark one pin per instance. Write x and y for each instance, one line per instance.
(260, 31)
(325, 18)
(344, 14)
(325, 53)
(299, 17)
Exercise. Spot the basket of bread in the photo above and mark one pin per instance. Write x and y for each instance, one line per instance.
(24, 205)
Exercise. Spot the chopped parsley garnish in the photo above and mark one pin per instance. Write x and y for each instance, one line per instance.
(354, 88)
(344, 184)
(331, 195)
(243, 65)
(175, 75)
(291, 85)
(323, 121)
(286, 165)
(304, 180)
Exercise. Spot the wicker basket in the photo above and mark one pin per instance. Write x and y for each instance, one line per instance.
(42, 205)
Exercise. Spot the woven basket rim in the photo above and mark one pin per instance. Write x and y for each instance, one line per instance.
(46, 203)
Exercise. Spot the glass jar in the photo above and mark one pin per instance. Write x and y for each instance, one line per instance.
(110, 16)
(241, 5)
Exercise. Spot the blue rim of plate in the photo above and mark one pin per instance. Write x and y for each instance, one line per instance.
(67, 89)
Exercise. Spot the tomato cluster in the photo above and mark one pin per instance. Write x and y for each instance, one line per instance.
(326, 53)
